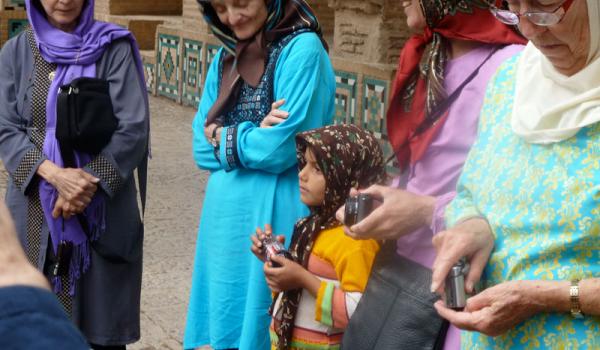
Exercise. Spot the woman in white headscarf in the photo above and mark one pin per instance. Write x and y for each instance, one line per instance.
(527, 211)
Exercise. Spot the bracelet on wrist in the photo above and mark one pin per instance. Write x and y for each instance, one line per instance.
(574, 297)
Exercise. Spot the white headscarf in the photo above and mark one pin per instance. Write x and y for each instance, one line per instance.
(549, 106)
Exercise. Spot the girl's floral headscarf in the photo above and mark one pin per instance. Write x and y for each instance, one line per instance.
(417, 91)
(348, 157)
(247, 58)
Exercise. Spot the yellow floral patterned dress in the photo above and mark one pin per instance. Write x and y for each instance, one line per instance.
(543, 204)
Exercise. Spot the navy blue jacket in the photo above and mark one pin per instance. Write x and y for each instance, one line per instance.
(32, 318)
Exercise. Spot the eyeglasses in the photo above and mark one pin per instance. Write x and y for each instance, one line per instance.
(539, 18)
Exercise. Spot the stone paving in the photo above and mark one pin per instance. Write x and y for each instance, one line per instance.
(175, 193)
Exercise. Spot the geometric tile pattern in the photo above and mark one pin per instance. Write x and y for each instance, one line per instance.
(192, 73)
(374, 103)
(375, 100)
(150, 75)
(393, 168)
(167, 66)
(345, 98)
(16, 26)
(211, 52)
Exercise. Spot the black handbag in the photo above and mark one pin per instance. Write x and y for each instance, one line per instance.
(85, 117)
(85, 121)
(396, 310)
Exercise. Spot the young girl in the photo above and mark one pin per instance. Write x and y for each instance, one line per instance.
(317, 292)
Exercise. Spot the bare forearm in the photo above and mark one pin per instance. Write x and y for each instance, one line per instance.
(427, 207)
(553, 296)
(311, 283)
(476, 225)
(549, 296)
(47, 170)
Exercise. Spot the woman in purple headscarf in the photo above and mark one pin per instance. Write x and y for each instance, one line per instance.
(100, 258)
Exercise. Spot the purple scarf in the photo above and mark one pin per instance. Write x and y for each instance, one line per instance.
(75, 55)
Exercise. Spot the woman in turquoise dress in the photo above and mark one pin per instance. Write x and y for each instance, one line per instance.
(527, 212)
(271, 80)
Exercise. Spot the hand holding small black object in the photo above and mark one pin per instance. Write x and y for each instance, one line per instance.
(357, 208)
(63, 259)
(271, 247)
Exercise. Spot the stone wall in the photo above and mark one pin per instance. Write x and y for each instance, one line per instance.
(146, 7)
(101, 9)
(192, 17)
(137, 7)
(371, 31)
(141, 17)
(326, 17)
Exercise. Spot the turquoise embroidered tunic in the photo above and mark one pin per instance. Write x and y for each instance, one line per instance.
(543, 205)
(253, 181)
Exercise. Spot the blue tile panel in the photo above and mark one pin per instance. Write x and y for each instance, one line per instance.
(192, 78)
(374, 107)
(150, 75)
(167, 66)
(345, 97)
(211, 52)
(374, 104)
(16, 26)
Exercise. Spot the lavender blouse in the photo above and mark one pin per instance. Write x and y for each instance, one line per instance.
(437, 172)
